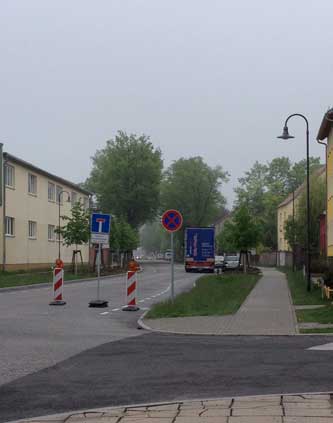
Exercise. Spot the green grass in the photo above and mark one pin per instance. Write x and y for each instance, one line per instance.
(318, 315)
(11, 279)
(319, 330)
(299, 293)
(212, 295)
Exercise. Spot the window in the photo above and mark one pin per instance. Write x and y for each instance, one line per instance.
(9, 226)
(9, 175)
(32, 184)
(51, 191)
(73, 197)
(58, 191)
(50, 232)
(32, 229)
(58, 235)
(86, 203)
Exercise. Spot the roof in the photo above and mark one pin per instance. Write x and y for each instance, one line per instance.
(319, 171)
(326, 125)
(36, 169)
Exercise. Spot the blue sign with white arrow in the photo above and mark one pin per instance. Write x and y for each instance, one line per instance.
(100, 228)
(100, 223)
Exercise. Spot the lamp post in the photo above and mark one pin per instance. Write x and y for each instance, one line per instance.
(285, 136)
(59, 204)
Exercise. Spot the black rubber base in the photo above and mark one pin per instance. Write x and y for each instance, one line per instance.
(98, 303)
(131, 308)
(57, 302)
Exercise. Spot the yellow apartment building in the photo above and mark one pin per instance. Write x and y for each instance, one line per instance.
(286, 209)
(30, 214)
(325, 136)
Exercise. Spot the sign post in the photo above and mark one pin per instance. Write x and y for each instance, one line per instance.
(172, 221)
(100, 229)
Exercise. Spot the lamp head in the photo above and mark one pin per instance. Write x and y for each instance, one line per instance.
(285, 134)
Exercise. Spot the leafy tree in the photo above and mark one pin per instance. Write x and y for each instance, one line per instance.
(242, 232)
(193, 187)
(126, 178)
(265, 186)
(123, 238)
(252, 189)
(225, 242)
(298, 172)
(76, 231)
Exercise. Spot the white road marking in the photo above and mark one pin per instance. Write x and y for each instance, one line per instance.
(141, 301)
(144, 308)
(115, 309)
(105, 312)
(323, 347)
(148, 298)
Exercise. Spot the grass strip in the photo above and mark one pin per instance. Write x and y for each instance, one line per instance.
(318, 330)
(318, 315)
(212, 295)
(298, 289)
(8, 279)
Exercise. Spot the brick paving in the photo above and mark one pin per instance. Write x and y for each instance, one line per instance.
(268, 310)
(314, 408)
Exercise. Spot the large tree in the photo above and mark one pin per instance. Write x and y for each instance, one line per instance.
(242, 232)
(126, 178)
(265, 186)
(193, 187)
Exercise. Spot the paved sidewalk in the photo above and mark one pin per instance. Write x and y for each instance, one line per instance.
(314, 408)
(266, 311)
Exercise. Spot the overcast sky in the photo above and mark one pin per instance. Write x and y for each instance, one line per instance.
(212, 78)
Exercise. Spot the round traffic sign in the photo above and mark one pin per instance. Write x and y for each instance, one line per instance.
(172, 220)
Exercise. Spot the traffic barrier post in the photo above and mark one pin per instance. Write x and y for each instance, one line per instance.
(57, 287)
(131, 287)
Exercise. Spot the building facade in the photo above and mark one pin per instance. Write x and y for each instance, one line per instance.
(325, 136)
(30, 215)
(288, 208)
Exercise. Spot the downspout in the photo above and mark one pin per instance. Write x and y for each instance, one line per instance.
(326, 241)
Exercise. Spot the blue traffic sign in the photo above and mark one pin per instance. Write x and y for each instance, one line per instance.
(100, 223)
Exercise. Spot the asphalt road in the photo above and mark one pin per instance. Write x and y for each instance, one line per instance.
(35, 335)
(157, 367)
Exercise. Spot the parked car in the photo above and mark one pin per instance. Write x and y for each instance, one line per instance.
(231, 262)
(219, 260)
(168, 255)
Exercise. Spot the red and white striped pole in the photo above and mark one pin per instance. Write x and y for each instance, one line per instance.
(131, 286)
(58, 284)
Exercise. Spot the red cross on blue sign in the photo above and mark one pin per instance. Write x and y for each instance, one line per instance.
(172, 220)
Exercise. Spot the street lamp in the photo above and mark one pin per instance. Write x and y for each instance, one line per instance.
(285, 136)
(59, 204)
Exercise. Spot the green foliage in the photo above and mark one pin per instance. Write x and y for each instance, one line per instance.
(122, 236)
(126, 178)
(243, 232)
(265, 186)
(225, 242)
(193, 187)
(77, 229)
